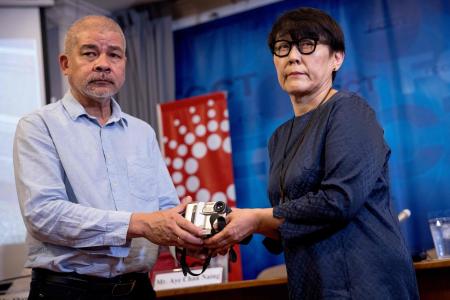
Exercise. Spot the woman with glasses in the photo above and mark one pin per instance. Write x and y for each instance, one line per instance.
(329, 188)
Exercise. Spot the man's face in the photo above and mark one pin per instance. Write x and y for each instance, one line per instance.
(95, 67)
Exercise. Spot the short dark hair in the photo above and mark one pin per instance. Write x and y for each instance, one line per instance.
(308, 22)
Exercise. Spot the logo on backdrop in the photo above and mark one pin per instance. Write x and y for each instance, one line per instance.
(197, 147)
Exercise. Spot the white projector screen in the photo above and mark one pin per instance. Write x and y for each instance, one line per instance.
(21, 91)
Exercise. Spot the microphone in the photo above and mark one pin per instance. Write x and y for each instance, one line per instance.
(403, 215)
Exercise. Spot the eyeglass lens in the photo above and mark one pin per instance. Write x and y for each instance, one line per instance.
(306, 46)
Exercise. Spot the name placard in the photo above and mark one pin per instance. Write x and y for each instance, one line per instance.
(176, 279)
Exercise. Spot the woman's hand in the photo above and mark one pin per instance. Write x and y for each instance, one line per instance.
(240, 224)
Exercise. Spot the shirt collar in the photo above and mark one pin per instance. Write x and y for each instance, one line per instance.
(75, 110)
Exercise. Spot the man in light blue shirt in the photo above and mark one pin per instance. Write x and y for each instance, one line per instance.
(95, 194)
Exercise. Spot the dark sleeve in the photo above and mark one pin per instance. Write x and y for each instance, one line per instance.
(355, 155)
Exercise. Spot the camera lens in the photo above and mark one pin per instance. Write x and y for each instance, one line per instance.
(219, 206)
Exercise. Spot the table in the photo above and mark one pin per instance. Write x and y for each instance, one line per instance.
(259, 289)
(433, 278)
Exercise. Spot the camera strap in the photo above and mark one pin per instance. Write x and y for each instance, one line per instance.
(221, 222)
(185, 268)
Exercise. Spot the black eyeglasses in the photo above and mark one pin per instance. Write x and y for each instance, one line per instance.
(282, 48)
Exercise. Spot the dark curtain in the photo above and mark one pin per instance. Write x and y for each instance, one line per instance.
(150, 67)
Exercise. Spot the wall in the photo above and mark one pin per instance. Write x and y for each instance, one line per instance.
(21, 91)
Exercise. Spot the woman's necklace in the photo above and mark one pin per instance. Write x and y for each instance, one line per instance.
(284, 164)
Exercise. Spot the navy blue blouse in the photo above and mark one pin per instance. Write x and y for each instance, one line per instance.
(341, 236)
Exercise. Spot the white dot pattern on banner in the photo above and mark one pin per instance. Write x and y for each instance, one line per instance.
(227, 145)
(177, 163)
(192, 183)
(177, 177)
(211, 113)
(173, 144)
(182, 150)
(189, 138)
(231, 193)
(199, 150)
(181, 191)
(225, 125)
(191, 166)
(213, 142)
(212, 125)
(194, 146)
(219, 196)
(203, 195)
(182, 129)
(196, 119)
(200, 130)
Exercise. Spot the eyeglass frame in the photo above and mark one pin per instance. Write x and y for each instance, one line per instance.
(297, 44)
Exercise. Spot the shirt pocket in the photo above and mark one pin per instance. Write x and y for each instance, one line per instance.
(142, 178)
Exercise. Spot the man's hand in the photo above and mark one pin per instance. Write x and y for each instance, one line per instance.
(166, 227)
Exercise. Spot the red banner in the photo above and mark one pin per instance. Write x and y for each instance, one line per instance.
(195, 141)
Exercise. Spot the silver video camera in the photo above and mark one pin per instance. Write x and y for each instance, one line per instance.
(209, 216)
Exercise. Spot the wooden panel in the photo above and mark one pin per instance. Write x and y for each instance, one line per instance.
(433, 278)
(247, 289)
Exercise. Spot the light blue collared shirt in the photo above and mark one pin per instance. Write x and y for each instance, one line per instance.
(78, 183)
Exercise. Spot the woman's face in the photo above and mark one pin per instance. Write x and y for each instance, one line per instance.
(301, 74)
